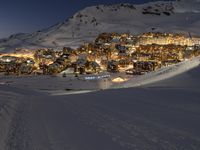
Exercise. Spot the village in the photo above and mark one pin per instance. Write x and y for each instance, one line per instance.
(110, 52)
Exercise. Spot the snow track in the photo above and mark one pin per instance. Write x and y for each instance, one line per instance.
(18, 138)
(137, 118)
(8, 102)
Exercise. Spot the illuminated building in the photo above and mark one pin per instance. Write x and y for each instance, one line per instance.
(112, 52)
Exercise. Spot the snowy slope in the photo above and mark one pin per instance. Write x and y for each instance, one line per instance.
(176, 16)
(161, 74)
(162, 116)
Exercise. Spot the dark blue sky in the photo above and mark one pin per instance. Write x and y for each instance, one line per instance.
(32, 15)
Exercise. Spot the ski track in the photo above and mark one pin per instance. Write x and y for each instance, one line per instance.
(18, 138)
(142, 118)
(97, 121)
(133, 131)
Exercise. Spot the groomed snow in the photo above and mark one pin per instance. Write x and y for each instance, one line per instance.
(159, 116)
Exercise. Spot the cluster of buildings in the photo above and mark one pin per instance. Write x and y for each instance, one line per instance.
(17, 63)
(110, 52)
(166, 38)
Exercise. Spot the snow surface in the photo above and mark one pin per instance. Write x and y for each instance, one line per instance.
(159, 116)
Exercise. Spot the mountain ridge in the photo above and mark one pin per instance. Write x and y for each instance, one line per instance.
(86, 24)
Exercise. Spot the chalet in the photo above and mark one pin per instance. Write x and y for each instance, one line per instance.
(8, 59)
(103, 38)
(54, 68)
(67, 51)
(25, 69)
(121, 48)
(92, 67)
(30, 62)
(145, 66)
(63, 61)
(112, 66)
(79, 66)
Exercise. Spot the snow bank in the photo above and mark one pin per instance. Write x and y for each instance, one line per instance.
(161, 74)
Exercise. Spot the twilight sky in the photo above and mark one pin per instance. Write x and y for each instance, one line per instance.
(32, 15)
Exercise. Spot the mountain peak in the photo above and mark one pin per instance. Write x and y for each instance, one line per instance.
(159, 16)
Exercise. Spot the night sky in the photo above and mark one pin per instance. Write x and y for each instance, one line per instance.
(31, 15)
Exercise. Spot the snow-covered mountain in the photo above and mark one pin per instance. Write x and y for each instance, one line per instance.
(164, 16)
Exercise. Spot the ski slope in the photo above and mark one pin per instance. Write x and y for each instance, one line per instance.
(159, 116)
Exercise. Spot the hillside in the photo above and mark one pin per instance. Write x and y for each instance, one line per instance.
(85, 25)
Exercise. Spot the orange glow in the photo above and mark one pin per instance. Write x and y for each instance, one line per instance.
(20, 55)
(119, 80)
